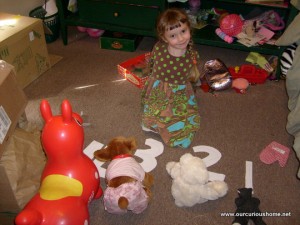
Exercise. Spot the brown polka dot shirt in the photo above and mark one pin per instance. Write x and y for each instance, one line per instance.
(168, 68)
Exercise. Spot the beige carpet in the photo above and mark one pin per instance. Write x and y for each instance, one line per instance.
(238, 126)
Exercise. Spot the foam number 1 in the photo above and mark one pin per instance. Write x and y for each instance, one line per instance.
(214, 155)
(89, 151)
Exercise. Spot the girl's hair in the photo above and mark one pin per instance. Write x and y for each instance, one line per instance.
(194, 73)
(171, 19)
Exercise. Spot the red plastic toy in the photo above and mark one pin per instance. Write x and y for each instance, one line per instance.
(250, 72)
(231, 24)
(70, 179)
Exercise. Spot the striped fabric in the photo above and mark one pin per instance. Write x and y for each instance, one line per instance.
(286, 60)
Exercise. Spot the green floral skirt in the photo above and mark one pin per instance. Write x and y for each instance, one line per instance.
(171, 110)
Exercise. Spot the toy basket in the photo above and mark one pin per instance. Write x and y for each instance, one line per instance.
(132, 71)
(51, 22)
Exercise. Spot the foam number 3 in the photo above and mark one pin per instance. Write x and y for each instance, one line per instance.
(149, 155)
(214, 155)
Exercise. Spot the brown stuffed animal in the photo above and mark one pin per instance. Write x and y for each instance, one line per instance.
(128, 185)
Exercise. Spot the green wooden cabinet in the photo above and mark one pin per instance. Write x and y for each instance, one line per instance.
(124, 15)
(129, 16)
(139, 17)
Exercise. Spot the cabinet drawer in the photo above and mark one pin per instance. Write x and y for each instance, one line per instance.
(126, 15)
(139, 2)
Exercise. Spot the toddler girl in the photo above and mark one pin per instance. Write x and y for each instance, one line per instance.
(169, 107)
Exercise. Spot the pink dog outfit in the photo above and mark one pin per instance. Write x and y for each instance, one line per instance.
(133, 191)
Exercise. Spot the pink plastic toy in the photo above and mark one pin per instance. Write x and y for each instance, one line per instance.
(94, 32)
(91, 31)
(240, 85)
(194, 5)
(223, 36)
(70, 179)
(81, 29)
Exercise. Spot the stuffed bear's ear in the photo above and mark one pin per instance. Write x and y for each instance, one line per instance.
(173, 169)
(102, 155)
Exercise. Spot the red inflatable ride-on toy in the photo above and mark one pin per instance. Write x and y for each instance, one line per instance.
(70, 179)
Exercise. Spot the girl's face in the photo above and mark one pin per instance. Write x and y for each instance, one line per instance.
(178, 38)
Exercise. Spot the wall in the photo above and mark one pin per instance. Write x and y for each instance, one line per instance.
(19, 7)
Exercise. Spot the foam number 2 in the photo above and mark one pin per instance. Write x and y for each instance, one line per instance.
(214, 155)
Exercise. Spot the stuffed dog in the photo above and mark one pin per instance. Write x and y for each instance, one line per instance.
(128, 185)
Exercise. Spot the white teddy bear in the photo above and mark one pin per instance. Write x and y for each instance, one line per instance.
(190, 182)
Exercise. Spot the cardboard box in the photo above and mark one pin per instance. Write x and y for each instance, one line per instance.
(136, 70)
(12, 103)
(23, 45)
(119, 41)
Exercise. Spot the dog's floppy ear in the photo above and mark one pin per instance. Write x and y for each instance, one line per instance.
(102, 155)
(131, 144)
